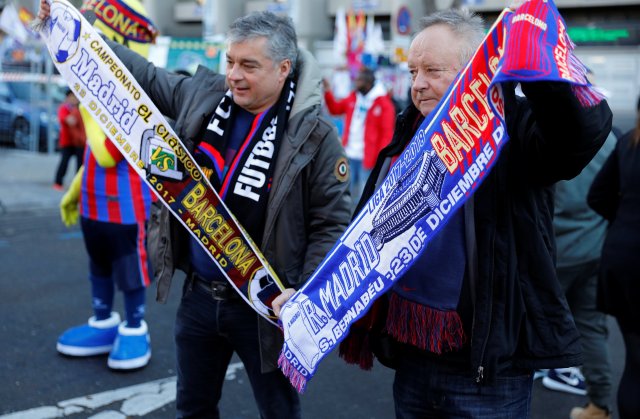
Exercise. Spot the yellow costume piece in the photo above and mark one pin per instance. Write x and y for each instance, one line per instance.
(125, 22)
(69, 210)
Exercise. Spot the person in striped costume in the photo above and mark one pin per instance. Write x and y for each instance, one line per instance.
(113, 204)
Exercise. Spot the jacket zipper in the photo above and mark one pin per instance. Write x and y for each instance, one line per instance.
(480, 371)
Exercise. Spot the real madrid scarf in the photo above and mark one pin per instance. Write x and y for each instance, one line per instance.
(244, 180)
(447, 159)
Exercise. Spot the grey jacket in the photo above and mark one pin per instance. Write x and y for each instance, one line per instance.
(309, 204)
(579, 230)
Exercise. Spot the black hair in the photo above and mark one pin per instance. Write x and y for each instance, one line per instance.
(367, 75)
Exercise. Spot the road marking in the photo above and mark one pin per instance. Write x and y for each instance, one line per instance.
(137, 400)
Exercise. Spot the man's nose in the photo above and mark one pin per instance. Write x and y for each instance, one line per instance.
(234, 72)
(421, 82)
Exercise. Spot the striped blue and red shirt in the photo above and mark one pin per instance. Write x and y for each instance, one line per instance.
(115, 194)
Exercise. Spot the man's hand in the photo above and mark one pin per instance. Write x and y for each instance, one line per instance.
(281, 299)
(45, 10)
(326, 85)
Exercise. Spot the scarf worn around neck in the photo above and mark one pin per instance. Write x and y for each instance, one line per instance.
(245, 184)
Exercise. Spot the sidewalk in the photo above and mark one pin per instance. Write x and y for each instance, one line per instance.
(27, 180)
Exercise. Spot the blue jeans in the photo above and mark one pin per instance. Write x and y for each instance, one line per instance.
(207, 333)
(359, 176)
(426, 388)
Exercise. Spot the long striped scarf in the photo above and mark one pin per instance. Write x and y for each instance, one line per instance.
(141, 134)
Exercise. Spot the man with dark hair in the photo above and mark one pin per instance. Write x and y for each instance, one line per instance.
(368, 128)
(294, 208)
(260, 136)
(290, 193)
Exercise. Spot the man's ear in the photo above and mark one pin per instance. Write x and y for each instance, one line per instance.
(285, 68)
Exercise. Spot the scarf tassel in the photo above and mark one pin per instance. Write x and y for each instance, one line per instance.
(588, 96)
(298, 381)
(356, 349)
(427, 328)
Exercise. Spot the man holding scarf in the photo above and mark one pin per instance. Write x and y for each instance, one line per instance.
(279, 166)
(481, 308)
(259, 135)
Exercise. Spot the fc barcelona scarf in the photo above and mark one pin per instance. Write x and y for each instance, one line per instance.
(450, 154)
(122, 19)
(243, 181)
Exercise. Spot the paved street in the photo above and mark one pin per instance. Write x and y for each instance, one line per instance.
(44, 289)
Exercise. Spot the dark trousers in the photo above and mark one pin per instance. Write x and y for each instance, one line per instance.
(65, 155)
(629, 388)
(426, 388)
(207, 333)
(580, 284)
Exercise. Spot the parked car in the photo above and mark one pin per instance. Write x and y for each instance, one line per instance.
(17, 106)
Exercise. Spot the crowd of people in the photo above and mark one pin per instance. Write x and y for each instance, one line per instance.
(492, 268)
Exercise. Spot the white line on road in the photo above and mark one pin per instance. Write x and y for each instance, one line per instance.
(137, 400)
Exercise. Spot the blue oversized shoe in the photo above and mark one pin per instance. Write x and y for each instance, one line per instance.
(132, 348)
(94, 338)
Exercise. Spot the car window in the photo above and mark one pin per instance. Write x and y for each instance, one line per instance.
(21, 90)
(5, 94)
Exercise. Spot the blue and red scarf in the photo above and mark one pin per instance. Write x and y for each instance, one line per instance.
(122, 19)
(449, 156)
(243, 178)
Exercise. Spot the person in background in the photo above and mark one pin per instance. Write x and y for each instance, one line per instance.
(72, 137)
(368, 128)
(113, 204)
(482, 308)
(579, 233)
(615, 195)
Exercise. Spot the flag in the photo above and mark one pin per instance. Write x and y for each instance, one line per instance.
(340, 35)
(10, 23)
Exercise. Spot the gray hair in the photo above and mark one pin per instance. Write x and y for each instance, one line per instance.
(468, 25)
(278, 30)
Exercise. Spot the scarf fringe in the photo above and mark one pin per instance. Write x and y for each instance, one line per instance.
(588, 95)
(356, 349)
(297, 380)
(427, 328)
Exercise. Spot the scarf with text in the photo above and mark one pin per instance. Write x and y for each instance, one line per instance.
(122, 19)
(136, 127)
(449, 156)
(245, 180)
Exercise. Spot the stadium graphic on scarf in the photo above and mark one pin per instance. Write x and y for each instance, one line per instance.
(405, 204)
